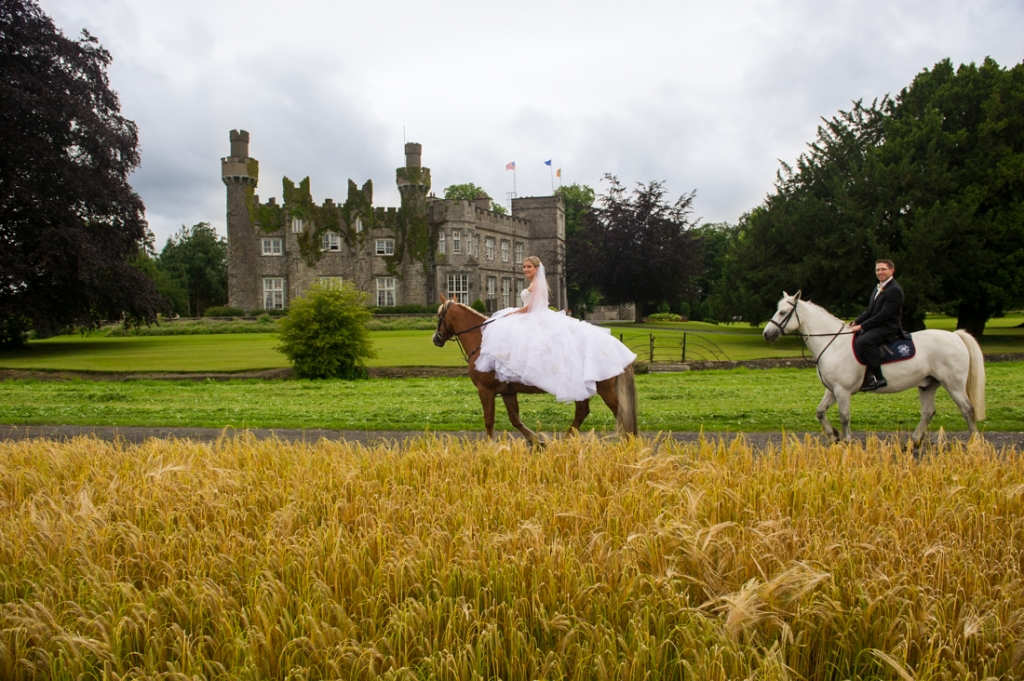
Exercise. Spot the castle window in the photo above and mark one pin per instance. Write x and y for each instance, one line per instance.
(440, 242)
(337, 282)
(492, 287)
(506, 292)
(297, 225)
(273, 294)
(458, 287)
(456, 241)
(504, 250)
(489, 247)
(520, 285)
(331, 242)
(271, 247)
(359, 225)
(519, 253)
(385, 246)
(472, 244)
(385, 291)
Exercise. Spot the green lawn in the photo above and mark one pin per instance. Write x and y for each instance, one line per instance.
(737, 400)
(241, 352)
(207, 353)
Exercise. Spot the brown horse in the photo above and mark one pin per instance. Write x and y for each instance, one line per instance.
(455, 320)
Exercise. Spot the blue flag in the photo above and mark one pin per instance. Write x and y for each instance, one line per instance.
(547, 162)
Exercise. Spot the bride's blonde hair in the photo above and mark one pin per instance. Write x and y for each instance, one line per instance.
(532, 259)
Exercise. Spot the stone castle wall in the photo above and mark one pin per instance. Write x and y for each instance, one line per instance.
(536, 227)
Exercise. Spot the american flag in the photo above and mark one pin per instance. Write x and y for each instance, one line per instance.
(511, 166)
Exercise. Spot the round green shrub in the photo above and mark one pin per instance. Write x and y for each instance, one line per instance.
(479, 306)
(324, 334)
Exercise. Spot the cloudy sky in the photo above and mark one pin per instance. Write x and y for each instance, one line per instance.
(705, 96)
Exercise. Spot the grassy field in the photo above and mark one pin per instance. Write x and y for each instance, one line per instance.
(735, 400)
(249, 351)
(446, 559)
(207, 353)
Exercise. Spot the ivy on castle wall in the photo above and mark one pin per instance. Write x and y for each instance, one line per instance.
(358, 206)
(420, 176)
(298, 205)
(267, 217)
(414, 232)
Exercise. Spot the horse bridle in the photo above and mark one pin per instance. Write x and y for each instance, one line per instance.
(438, 336)
(785, 321)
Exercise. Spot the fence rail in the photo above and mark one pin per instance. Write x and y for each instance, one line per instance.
(692, 347)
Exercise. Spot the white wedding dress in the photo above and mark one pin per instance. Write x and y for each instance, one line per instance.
(550, 350)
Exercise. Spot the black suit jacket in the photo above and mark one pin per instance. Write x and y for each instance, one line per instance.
(885, 311)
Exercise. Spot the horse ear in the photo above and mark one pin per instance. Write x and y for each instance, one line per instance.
(785, 295)
(443, 299)
(796, 296)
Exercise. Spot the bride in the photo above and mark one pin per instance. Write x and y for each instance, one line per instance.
(550, 350)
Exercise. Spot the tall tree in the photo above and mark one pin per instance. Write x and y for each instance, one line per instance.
(712, 241)
(953, 165)
(195, 259)
(814, 232)
(70, 224)
(636, 247)
(578, 201)
(931, 179)
(471, 192)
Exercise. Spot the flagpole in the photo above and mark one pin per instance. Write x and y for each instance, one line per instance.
(551, 169)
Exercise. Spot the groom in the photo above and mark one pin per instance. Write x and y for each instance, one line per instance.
(879, 324)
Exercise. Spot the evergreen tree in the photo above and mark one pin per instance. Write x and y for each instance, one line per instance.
(195, 259)
(578, 201)
(931, 179)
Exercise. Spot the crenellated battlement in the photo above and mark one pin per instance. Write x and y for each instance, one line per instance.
(393, 253)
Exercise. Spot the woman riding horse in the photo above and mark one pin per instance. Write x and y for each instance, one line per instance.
(533, 349)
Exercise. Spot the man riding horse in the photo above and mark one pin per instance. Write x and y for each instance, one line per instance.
(881, 323)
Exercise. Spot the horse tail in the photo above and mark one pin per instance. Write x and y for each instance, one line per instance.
(625, 391)
(975, 375)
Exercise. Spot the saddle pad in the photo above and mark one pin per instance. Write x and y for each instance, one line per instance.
(895, 351)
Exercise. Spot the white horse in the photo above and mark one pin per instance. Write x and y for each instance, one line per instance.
(952, 360)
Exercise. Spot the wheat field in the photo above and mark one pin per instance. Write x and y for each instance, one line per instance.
(449, 559)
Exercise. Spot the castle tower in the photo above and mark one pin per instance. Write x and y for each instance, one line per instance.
(413, 180)
(547, 239)
(240, 175)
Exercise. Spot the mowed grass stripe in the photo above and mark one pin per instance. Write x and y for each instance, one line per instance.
(449, 559)
(208, 353)
(254, 351)
(735, 400)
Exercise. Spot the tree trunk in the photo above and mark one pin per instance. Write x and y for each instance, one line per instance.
(972, 319)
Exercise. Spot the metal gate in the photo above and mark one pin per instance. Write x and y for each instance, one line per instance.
(692, 347)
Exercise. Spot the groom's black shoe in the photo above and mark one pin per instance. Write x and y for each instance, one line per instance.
(874, 383)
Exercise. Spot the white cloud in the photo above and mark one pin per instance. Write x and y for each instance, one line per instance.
(705, 97)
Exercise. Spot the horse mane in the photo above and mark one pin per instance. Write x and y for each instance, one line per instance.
(455, 302)
(815, 306)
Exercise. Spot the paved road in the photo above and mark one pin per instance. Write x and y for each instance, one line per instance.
(140, 434)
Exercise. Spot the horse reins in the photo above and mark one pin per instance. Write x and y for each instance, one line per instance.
(440, 320)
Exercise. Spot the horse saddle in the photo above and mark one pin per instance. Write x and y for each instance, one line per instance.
(894, 351)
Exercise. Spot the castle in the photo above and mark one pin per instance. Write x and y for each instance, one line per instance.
(406, 255)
